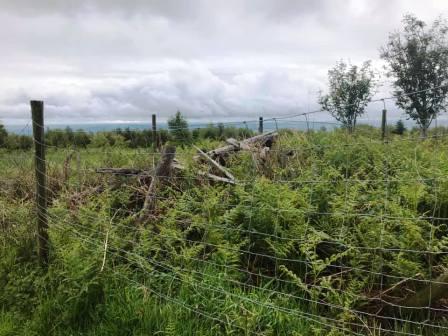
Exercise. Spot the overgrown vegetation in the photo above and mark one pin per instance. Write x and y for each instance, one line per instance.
(319, 233)
(305, 244)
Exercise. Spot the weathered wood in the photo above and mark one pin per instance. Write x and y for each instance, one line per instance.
(233, 142)
(66, 172)
(123, 171)
(175, 166)
(214, 163)
(209, 176)
(265, 140)
(383, 124)
(264, 153)
(262, 138)
(216, 178)
(154, 133)
(161, 172)
(37, 114)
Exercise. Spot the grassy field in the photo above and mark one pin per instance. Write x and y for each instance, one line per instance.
(324, 237)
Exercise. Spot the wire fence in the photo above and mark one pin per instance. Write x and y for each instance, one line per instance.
(344, 231)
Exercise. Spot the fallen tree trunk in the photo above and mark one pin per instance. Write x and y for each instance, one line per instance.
(215, 164)
(175, 165)
(123, 171)
(209, 176)
(264, 140)
(161, 172)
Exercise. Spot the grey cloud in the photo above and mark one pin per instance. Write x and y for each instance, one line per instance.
(115, 60)
(192, 88)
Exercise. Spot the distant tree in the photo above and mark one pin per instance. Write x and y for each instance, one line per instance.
(3, 136)
(350, 90)
(15, 141)
(179, 131)
(221, 129)
(69, 135)
(418, 59)
(399, 128)
(210, 132)
(81, 138)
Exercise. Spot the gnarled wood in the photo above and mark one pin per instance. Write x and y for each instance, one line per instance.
(264, 140)
(175, 165)
(161, 172)
(123, 171)
(214, 163)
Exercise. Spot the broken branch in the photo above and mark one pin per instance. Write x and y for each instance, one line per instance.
(214, 163)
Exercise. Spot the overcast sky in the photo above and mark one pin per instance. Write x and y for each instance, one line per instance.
(122, 60)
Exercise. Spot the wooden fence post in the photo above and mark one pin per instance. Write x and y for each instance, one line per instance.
(383, 125)
(154, 133)
(260, 125)
(37, 114)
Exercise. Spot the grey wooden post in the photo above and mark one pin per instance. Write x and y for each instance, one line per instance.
(37, 114)
(383, 125)
(154, 133)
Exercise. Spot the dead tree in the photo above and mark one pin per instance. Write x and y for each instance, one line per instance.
(161, 173)
(215, 164)
(262, 140)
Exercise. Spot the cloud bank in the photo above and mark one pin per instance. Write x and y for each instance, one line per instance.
(124, 60)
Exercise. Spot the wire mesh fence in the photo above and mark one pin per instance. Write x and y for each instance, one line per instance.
(343, 232)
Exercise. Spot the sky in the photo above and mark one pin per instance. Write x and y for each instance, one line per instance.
(121, 61)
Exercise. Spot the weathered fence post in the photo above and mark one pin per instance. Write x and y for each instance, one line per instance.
(383, 123)
(37, 114)
(154, 133)
(161, 173)
(260, 125)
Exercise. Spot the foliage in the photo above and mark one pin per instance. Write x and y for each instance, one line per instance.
(67, 138)
(18, 142)
(179, 130)
(221, 132)
(399, 128)
(418, 59)
(350, 90)
(301, 246)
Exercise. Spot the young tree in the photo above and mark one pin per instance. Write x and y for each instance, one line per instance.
(418, 59)
(399, 128)
(179, 131)
(350, 90)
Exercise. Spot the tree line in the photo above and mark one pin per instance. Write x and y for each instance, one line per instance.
(178, 132)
